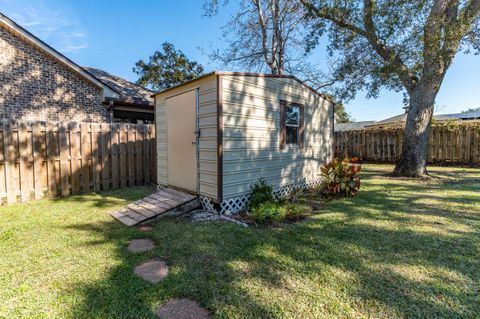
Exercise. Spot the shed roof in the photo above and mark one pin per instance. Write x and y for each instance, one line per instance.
(265, 75)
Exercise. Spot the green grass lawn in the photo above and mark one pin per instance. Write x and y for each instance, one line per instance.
(401, 249)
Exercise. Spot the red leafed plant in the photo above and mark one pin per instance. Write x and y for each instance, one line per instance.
(341, 177)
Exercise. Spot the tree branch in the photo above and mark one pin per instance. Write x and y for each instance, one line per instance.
(369, 33)
(387, 54)
(472, 10)
(263, 28)
(325, 13)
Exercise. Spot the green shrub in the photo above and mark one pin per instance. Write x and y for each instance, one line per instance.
(261, 193)
(340, 177)
(298, 211)
(297, 196)
(268, 212)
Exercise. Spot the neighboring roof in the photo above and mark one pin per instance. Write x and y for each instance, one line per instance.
(284, 76)
(129, 92)
(459, 116)
(352, 126)
(440, 117)
(13, 26)
(391, 120)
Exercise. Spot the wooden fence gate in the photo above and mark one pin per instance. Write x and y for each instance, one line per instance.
(40, 159)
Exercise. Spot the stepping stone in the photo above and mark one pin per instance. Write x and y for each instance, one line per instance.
(182, 309)
(145, 228)
(152, 271)
(140, 245)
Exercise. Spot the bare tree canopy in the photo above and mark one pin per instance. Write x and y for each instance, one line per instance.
(401, 45)
(267, 36)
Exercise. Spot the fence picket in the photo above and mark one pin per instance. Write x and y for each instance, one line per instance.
(114, 142)
(105, 146)
(24, 147)
(123, 155)
(131, 154)
(86, 151)
(457, 144)
(38, 152)
(74, 153)
(51, 165)
(138, 154)
(146, 156)
(48, 158)
(63, 144)
(9, 161)
(96, 163)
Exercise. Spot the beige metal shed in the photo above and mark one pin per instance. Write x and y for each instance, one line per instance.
(219, 133)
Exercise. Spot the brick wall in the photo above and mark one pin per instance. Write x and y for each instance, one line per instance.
(35, 86)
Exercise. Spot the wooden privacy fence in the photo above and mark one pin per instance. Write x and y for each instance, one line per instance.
(453, 143)
(40, 159)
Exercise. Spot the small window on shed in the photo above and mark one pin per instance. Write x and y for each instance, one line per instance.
(291, 125)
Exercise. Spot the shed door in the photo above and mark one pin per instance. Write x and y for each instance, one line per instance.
(181, 148)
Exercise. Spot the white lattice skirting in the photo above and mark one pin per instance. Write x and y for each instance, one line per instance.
(239, 203)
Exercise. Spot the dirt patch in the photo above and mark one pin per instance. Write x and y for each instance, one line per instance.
(152, 271)
(140, 245)
(182, 309)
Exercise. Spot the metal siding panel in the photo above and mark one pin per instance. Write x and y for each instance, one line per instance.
(251, 136)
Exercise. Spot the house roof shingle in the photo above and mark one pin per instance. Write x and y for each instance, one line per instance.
(129, 92)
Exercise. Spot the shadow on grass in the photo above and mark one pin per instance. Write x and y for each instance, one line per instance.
(109, 198)
(392, 270)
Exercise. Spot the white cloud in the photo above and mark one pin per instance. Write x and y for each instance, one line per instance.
(60, 28)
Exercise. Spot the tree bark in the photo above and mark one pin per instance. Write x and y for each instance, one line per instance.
(413, 159)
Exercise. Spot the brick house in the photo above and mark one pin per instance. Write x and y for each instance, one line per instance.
(39, 83)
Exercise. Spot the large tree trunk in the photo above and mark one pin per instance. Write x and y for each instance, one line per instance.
(413, 160)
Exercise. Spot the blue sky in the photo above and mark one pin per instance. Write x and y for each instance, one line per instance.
(113, 35)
